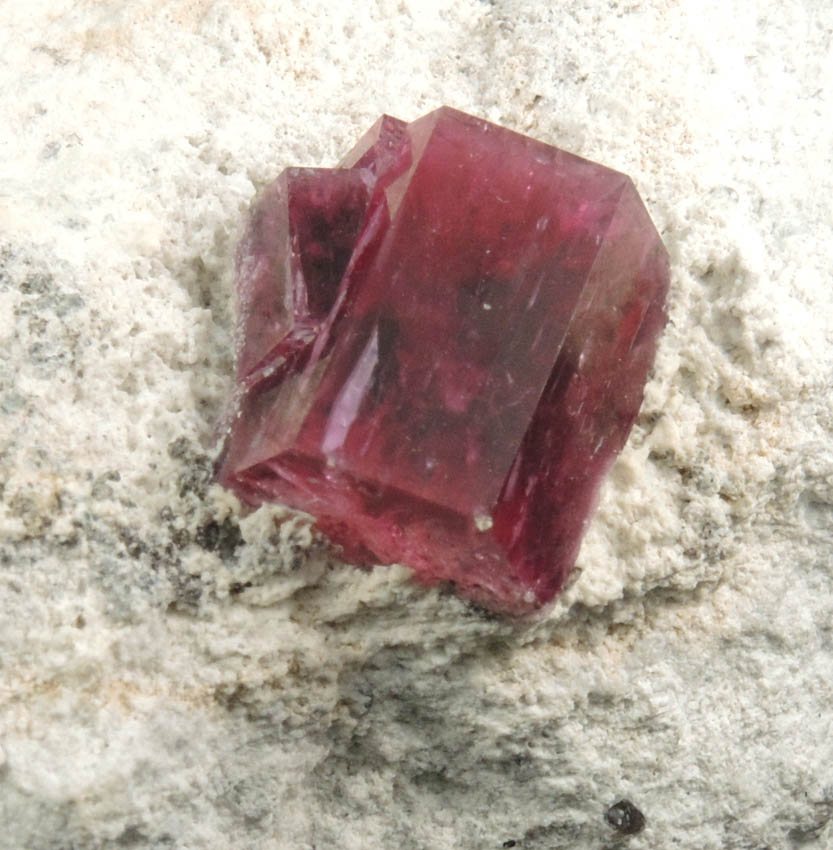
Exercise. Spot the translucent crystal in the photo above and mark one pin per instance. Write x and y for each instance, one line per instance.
(442, 348)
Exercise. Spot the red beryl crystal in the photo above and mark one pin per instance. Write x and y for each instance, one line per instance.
(442, 346)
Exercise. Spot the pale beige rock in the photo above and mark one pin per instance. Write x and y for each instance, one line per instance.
(176, 674)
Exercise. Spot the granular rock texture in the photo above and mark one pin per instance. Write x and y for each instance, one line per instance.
(177, 672)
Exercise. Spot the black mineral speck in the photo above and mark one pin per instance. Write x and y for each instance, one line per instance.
(510, 843)
(625, 818)
(222, 538)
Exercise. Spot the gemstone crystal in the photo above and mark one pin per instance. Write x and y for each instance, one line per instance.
(442, 345)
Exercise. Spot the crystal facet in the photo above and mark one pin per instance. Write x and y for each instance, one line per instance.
(442, 346)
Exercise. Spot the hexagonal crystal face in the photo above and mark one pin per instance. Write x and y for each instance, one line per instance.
(442, 346)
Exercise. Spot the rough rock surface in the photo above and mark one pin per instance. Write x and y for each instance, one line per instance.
(175, 673)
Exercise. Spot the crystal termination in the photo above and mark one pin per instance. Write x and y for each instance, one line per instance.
(442, 346)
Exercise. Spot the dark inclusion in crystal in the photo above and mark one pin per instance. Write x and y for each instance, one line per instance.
(442, 346)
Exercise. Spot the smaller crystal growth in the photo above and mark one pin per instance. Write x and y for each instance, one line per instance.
(442, 345)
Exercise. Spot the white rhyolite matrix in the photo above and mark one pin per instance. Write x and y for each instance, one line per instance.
(175, 673)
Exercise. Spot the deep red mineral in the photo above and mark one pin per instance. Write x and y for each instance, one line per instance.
(442, 346)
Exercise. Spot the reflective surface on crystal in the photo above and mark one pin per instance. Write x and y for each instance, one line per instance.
(442, 347)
